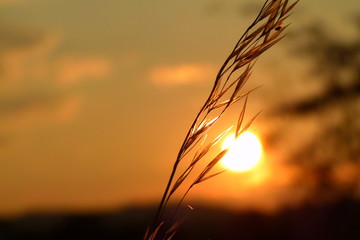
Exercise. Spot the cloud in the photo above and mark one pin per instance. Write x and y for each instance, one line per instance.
(37, 79)
(71, 70)
(67, 109)
(29, 59)
(35, 112)
(181, 74)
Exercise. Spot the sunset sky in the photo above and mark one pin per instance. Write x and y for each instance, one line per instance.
(96, 98)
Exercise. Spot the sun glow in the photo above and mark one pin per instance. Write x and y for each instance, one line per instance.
(244, 152)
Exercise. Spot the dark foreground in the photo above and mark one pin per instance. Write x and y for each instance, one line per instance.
(335, 221)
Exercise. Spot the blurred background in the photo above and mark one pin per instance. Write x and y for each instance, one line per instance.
(96, 98)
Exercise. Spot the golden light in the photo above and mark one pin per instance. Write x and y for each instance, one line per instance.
(244, 152)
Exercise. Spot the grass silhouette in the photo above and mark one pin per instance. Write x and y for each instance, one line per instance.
(264, 32)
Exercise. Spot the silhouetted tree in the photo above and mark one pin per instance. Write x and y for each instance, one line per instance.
(336, 108)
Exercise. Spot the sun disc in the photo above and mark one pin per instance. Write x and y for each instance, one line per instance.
(244, 152)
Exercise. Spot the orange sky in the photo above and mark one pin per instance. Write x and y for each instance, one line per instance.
(96, 97)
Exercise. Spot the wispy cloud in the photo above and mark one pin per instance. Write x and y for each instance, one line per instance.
(28, 60)
(38, 79)
(37, 60)
(39, 113)
(181, 74)
(71, 69)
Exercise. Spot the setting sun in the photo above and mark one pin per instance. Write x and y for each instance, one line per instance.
(244, 152)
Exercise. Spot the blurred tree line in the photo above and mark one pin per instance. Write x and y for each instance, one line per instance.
(332, 159)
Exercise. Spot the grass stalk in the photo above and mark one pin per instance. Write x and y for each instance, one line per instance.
(262, 34)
